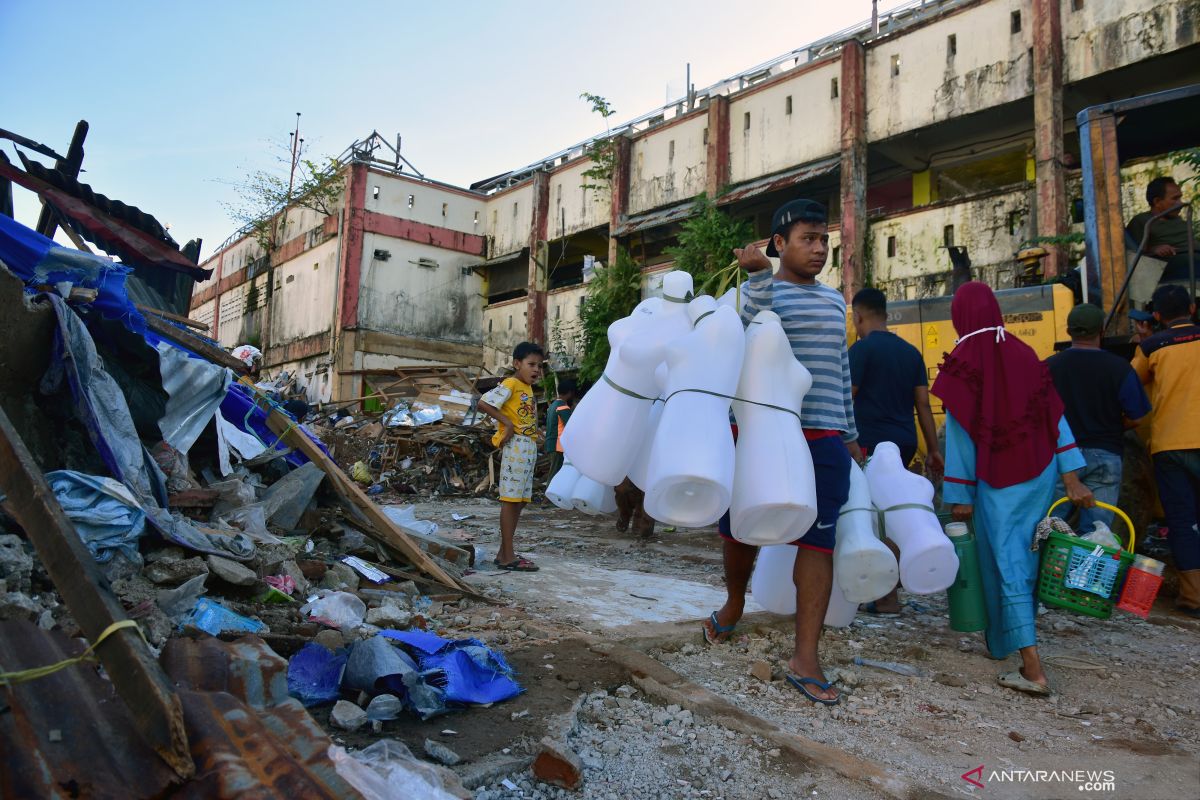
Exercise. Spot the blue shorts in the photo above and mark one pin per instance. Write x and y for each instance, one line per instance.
(831, 465)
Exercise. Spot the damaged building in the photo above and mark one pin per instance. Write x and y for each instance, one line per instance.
(925, 131)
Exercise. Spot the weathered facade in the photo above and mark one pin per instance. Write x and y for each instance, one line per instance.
(953, 124)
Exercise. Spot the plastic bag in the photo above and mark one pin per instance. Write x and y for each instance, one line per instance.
(361, 473)
(387, 770)
(213, 618)
(339, 609)
(1101, 534)
(177, 602)
(315, 674)
(406, 519)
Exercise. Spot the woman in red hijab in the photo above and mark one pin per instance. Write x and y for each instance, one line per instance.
(1006, 443)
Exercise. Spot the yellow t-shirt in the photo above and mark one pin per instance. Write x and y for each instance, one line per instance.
(514, 399)
(1167, 363)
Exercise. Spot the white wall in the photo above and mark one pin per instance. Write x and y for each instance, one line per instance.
(564, 330)
(306, 288)
(668, 165)
(777, 140)
(509, 218)
(504, 327)
(431, 204)
(582, 208)
(1107, 34)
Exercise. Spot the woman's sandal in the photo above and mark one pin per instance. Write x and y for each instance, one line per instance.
(518, 564)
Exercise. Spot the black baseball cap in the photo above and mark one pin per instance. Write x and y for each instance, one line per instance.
(794, 211)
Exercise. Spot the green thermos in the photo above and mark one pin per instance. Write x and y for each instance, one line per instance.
(967, 611)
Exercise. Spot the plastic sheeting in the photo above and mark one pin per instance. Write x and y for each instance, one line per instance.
(195, 389)
(474, 673)
(105, 514)
(104, 412)
(315, 674)
(240, 409)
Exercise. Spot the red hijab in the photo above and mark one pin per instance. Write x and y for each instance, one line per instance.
(999, 391)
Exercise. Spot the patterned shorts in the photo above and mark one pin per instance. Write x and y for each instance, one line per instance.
(517, 461)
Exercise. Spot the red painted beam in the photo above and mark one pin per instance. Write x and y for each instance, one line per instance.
(1048, 128)
(412, 231)
(536, 298)
(352, 245)
(620, 192)
(717, 169)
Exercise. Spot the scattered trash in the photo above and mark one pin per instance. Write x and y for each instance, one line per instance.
(405, 517)
(366, 570)
(177, 602)
(213, 618)
(384, 707)
(337, 609)
(891, 666)
(315, 674)
(107, 516)
(283, 583)
(347, 716)
(461, 517)
(387, 770)
(361, 473)
(440, 753)
(374, 489)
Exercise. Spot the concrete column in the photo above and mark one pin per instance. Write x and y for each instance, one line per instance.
(215, 331)
(718, 146)
(350, 271)
(1048, 129)
(535, 318)
(854, 166)
(620, 193)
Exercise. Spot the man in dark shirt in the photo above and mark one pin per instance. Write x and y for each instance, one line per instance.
(888, 380)
(1102, 396)
(1168, 238)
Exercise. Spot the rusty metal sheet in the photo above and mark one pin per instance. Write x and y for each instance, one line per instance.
(653, 219)
(780, 180)
(68, 734)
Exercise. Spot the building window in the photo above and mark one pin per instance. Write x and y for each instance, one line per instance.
(895, 65)
(1076, 5)
(476, 218)
(490, 321)
(1016, 22)
(558, 312)
(833, 89)
(891, 247)
(411, 200)
(671, 150)
(375, 193)
(948, 236)
(445, 206)
(787, 105)
(837, 256)
(951, 46)
(515, 205)
(746, 121)
(510, 322)
(495, 218)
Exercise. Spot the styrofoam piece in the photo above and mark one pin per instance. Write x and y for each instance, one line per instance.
(928, 563)
(774, 588)
(690, 476)
(562, 486)
(608, 425)
(774, 489)
(864, 567)
(588, 495)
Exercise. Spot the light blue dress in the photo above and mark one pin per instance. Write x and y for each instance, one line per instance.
(1004, 522)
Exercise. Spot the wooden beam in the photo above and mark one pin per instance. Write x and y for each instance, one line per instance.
(198, 346)
(191, 323)
(385, 530)
(135, 673)
(69, 166)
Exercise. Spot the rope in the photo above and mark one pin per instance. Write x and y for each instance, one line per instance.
(623, 390)
(20, 676)
(732, 397)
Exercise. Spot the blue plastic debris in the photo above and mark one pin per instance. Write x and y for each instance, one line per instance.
(315, 674)
(106, 515)
(213, 618)
(471, 672)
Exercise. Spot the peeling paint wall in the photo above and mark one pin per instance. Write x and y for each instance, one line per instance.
(564, 329)
(400, 296)
(304, 294)
(776, 139)
(991, 66)
(509, 217)
(424, 203)
(582, 209)
(314, 377)
(668, 165)
(503, 329)
(992, 228)
(1106, 34)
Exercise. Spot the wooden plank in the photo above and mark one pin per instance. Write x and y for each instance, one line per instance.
(385, 530)
(132, 668)
(198, 346)
(191, 323)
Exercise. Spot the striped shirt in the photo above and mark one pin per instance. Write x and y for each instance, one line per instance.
(814, 319)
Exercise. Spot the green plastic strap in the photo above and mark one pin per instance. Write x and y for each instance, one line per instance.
(702, 316)
(845, 511)
(732, 397)
(904, 506)
(623, 390)
(687, 298)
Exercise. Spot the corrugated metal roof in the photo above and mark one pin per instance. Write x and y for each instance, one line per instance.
(780, 180)
(652, 219)
(69, 735)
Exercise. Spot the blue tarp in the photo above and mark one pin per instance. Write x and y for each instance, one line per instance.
(106, 516)
(474, 672)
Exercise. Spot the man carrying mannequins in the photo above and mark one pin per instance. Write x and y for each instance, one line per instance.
(814, 318)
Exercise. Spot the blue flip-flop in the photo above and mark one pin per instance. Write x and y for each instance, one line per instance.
(801, 685)
(718, 628)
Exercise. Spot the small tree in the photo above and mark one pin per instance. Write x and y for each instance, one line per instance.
(1188, 158)
(705, 249)
(602, 153)
(264, 195)
(612, 294)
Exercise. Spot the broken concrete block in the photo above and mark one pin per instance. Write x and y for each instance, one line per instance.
(761, 670)
(330, 639)
(389, 616)
(16, 605)
(340, 576)
(172, 572)
(347, 716)
(231, 571)
(15, 564)
(440, 753)
(558, 765)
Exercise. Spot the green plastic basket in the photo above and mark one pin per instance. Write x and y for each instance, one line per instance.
(1056, 560)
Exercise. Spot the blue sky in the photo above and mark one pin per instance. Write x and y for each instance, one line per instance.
(186, 98)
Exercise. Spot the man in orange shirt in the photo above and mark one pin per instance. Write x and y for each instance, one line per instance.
(1168, 363)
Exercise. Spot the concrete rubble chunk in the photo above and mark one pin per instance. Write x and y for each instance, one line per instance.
(347, 716)
(341, 577)
(16, 565)
(231, 571)
(761, 670)
(173, 572)
(558, 765)
(285, 500)
(389, 616)
(440, 753)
